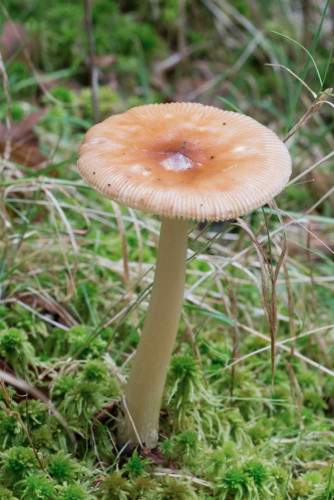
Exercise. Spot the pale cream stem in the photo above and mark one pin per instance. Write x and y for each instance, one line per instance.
(147, 378)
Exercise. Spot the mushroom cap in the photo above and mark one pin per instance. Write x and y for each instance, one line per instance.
(185, 160)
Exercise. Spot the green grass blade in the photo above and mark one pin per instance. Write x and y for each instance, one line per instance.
(305, 49)
(329, 61)
(306, 66)
(216, 315)
(229, 103)
(329, 485)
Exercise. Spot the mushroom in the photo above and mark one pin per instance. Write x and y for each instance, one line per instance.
(181, 161)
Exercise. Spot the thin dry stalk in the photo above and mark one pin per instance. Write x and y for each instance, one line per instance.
(291, 307)
(231, 311)
(316, 105)
(92, 56)
(126, 274)
(196, 352)
(293, 220)
(182, 32)
(312, 167)
(75, 247)
(296, 392)
(310, 267)
(314, 95)
(281, 344)
(269, 293)
(131, 420)
(13, 413)
(269, 300)
(8, 144)
(140, 241)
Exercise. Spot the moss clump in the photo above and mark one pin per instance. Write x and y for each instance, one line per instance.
(136, 465)
(6, 494)
(176, 490)
(16, 348)
(83, 401)
(94, 372)
(10, 429)
(62, 468)
(80, 337)
(17, 463)
(38, 488)
(115, 487)
(73, 492)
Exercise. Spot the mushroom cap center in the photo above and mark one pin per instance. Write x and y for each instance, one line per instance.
(177, 162)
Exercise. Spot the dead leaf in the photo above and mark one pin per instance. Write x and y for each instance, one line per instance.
(24, 142)
(155, 455)
(25, 155)
(105, 60)
(14, 36)
(24, 128)
(109, 410)
(51, 306)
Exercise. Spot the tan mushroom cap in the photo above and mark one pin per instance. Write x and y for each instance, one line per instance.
(185, 160)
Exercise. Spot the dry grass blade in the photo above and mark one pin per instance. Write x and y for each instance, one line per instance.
(291, 307)
(36, 313)
(293, 74)
(297, 221)
(92, 57)
(312, 167)
(268, 293)
(317, 104)
(231, 310)
(281, 345)
(125, 406)
(194, 347)
(8, 145)
(126, 275)
(36, 393)
(188, 477)
(139, 240)
(72, 239)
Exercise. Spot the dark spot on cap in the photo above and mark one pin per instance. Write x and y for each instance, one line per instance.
(109, 184)
(211, 157)
(224, 123)
(184, 144)
(94, 173)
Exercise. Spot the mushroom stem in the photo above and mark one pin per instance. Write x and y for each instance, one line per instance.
(144, 391)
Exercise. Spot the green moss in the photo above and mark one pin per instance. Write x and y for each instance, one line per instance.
(62, 468)
(83, 401)
(6, 494)
(9, 430)
(94, 372)
(115, 487)
(17, 463)
(38, 488)
(73, 492)
(176, 490)
(80, 337)
(136, 466)
(16, 348)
